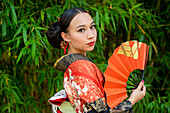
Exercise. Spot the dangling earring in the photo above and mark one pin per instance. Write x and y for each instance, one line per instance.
(64, 45)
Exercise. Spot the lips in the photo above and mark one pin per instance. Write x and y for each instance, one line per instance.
(91, 43)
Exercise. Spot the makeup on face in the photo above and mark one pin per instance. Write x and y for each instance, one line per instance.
(82, 34)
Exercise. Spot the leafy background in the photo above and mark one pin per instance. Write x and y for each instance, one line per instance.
(27, 76)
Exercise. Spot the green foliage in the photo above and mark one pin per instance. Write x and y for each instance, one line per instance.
(27, 76)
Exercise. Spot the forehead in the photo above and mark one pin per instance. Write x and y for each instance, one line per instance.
(81, 19)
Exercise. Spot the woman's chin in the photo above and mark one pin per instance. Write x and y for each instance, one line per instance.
(91, 49)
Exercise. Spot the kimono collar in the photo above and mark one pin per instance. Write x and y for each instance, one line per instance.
(63, 62)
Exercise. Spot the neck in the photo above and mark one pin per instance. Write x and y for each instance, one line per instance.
(70, 51)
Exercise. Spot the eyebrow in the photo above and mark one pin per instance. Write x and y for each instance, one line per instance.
(83, 25)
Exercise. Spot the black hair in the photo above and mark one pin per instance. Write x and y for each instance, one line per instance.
(54, 32)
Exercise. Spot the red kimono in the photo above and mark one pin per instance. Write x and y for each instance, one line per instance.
(83, 83)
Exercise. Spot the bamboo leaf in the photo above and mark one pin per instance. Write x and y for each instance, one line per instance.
(15, 94)
(30, 2)
(130, 11)
(113, 21)
(9, 22)
(45, 47)
(40, 28)
(36, 60)
(14, 16)
(5, 88)
(73, 2)
(65, 5)
(33, 49)
(42, 15)
(141, 38)
(124, 21)
(18, 109)
(100, 38)
(136, 6)
(122, 12)
(150, 51)
(94, 8)
(38, 33)
(10, 41)
(48, 13)
(18, 31)
(28, 43)
(97, 18)
(24, 34)
(3, 27)
(0, 53)
(20, 54)
(49, 84)
(20, 2)
(106, 15)
(102, 24)
(136, 11)
(41, 79)
(38, 42)
(153, 44)
(18, 41)
(5, 108)
(28, 58)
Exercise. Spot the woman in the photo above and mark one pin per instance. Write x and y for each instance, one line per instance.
(83, 81)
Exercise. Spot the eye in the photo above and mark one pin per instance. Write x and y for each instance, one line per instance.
(92, 27)
(81, 30)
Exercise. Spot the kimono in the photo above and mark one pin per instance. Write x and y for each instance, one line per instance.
(84, 87)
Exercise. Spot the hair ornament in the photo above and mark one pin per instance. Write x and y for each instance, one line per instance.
(58, 19)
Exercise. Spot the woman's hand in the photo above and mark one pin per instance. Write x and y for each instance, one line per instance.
(138, 93)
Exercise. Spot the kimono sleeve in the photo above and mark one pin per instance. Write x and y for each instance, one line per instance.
(82, 85)
(98, 106)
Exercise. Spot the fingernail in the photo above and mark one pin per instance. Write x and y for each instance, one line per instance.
(142, 81)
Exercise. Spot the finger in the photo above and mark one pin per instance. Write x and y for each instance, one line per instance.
(132, 90)
(140, 85)
(144, 89)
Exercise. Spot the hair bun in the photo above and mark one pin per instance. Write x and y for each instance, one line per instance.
(54, 32)
(54, 35)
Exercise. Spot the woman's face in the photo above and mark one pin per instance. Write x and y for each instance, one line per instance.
(81, 34)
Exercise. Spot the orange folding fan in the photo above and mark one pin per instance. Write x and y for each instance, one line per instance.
(124, 67)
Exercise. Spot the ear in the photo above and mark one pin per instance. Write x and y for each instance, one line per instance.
(65, 37)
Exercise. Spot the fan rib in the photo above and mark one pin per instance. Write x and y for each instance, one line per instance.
(116, 101)
(115, 80)
(119, 64)
(112, 73)
(112, 91)
(111, 66)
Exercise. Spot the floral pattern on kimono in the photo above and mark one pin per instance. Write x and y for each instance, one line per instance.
(82, 84)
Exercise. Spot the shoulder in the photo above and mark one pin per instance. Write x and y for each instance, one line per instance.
(83, 66)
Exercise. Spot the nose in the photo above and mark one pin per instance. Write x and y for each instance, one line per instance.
(90, 34)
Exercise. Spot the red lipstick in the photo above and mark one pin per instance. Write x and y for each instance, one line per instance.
(91, 43)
